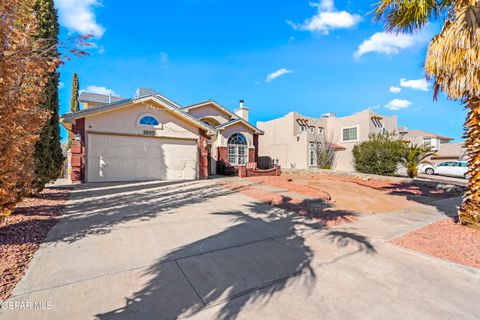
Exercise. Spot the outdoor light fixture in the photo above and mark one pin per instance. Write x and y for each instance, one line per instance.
(78, 137)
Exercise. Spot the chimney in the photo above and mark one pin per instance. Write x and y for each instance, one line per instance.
(141, 92)
(242, 111)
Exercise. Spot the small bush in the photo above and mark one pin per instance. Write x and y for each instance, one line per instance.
(379, 155)
(413, 155)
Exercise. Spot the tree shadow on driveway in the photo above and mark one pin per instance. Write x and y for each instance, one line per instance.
(445, 202)
(262, 253)
(97, 209)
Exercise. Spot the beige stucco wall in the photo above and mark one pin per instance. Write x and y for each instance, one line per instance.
(284, 141)
(125, 121)
(211, 111)
(362, 120)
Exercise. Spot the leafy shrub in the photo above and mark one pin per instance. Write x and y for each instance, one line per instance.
(379, 155)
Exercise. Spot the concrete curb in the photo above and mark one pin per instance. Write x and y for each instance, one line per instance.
(445, 263)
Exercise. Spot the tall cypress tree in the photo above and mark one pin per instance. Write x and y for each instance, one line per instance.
(74, 106)
(48, 155)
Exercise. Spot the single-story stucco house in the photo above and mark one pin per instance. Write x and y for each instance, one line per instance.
(150, 137)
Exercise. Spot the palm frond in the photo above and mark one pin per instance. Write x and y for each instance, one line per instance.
(453, 56)
(409, 15)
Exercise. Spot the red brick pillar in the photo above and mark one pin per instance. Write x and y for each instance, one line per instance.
(202, 156)
(251, 155)
(78, 151)
(255, 144)
(278, 171)
(242, 171)
(223, 154)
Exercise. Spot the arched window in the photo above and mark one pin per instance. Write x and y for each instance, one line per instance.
(237, 149)
(148, 121)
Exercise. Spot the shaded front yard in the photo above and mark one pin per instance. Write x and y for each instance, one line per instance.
(22, 233)
(235, 248)
(444, 239)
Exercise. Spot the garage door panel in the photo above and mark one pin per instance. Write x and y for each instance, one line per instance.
(120, 158)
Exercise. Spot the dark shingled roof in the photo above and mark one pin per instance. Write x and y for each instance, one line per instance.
(98, 98)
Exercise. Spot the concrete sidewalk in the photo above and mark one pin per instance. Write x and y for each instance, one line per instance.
(159, 250)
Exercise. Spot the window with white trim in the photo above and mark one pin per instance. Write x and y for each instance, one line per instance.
(312, 129)
(350, 134)
(320, 130)
(237, 149)
(302, 128)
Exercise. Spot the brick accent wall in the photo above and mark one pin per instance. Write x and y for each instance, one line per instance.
(223, 154)
(251, 155)
(202, 156)
(255, 144)
(78, 151)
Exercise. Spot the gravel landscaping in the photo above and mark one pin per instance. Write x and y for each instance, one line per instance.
(287, 183)
(321, 213)
(22, 233)
(446, 240)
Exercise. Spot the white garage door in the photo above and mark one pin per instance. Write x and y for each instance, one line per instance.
(122, 158)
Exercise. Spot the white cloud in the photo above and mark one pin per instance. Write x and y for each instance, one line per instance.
(79, 16)
(327, 18)
(395, 89)
(99, 90)
(61, 85)
(164, 58)
(389, 43)
(278, 73)
(398, 104)
(420, 84)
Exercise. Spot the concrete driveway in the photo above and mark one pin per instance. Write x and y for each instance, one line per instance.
(160, 250)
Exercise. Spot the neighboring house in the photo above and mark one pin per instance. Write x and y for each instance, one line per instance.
(444, 149)
(423, 137)
(150, 137)
(450, 151)
(290, 140)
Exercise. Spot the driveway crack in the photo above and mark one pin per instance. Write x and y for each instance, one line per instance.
(190, 283)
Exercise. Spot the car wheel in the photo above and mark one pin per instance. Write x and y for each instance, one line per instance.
(429, 171)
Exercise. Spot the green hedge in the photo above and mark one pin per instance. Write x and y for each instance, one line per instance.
(379, 155)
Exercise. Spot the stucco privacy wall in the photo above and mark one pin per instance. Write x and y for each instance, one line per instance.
(210, 111)
(281, 142)
(125, 121)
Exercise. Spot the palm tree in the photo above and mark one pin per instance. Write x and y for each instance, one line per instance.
(453, 65)
(412, 155)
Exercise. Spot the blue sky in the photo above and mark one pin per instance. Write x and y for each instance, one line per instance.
(279, 56)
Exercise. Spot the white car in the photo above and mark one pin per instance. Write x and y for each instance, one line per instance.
(447, 168)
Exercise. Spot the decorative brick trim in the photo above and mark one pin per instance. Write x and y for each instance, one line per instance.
(78, 151)
(255, 144)
(251, 155)
(223, 154)
(202, 155)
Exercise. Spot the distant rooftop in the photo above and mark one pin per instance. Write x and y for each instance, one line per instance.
(98, 98)
(424, 134)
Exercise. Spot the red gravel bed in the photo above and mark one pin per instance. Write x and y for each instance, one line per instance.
(393, 187)
(446, 240)
(22, 233)
(286, 183)
(322, 215)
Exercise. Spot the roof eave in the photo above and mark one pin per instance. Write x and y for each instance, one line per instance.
(70, 118)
